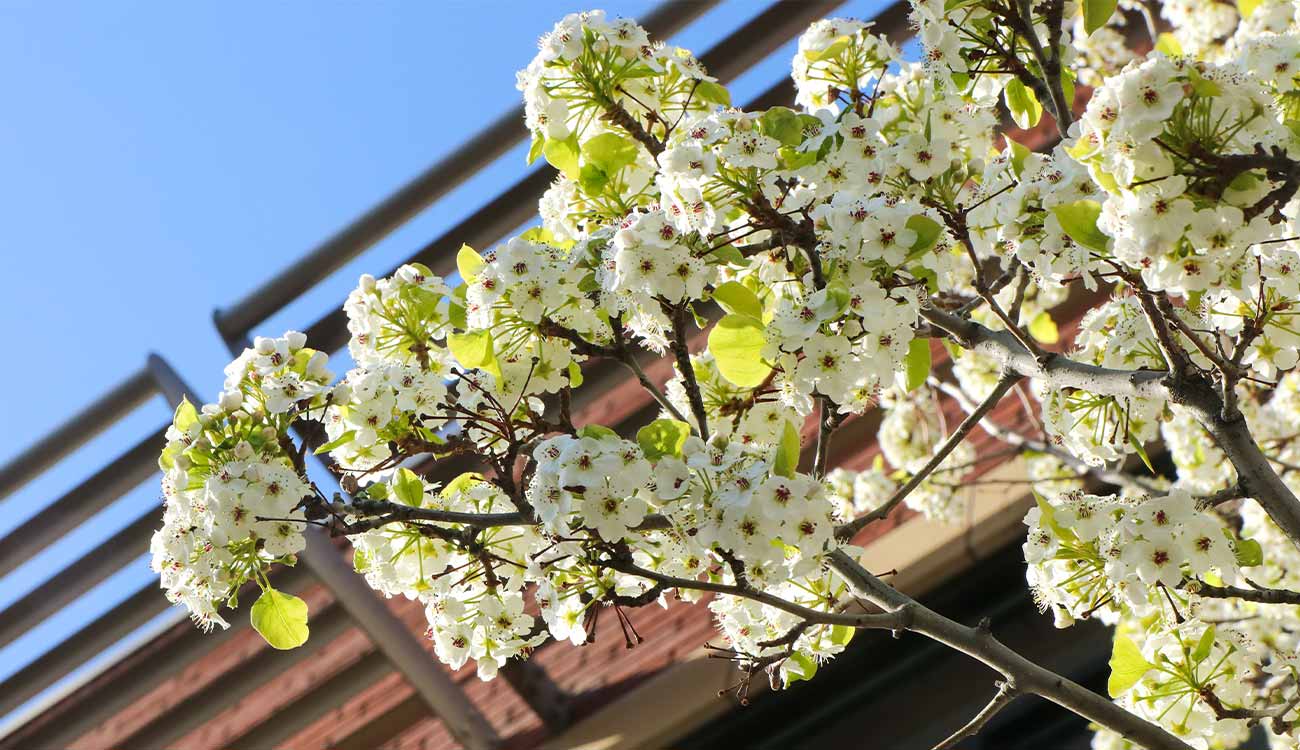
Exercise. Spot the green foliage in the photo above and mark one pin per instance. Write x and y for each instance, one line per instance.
(468, 263)
(280, 618)
(787, 451)
(737, 343)
(917, 363)
(474, 350)
(1127, 666)
(1023, 104)
(736, 298)
(1097, 12)
(1079, 220)
(663, 437)
(408, 488)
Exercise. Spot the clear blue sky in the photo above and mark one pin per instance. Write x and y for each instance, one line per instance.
(159, 160)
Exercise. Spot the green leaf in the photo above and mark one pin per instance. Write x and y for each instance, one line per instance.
(1126, 666)
(713, 92)
(798, 667)
(597, 431)
(408, 488)
(474, 350)
(280, 618)
(832, 50)
(1079, 220)
(337, 442)
(1249, 553)
(468, 263)
(610, 152)
(1043, 328)
(1203, 645)
(1168, 43)
(735, 297)
(575, 375)
(917, 363)
(1247, 7)
(592, 179)
(927, 233)
(1141, 450)
(535, 148)
(1023, 104)
(186, 416)
(1018, 153)
(791, 159)
(737, 343)
(1202, 85)
(563, 155)
(787, 451)
(663, 437)
(1096, 13)
(1047, 516)
(462, 483)
(842, 634)
(782, 124)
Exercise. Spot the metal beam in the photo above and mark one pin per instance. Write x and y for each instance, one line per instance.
(391, 636)
(509, 210)
(93, 702)
(63, 587)
(124, 474)
(60, 660)
(74, 432)
(459, 165)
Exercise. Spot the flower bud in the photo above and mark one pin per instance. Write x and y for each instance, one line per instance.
(230, 400)
(263, 345)
(296, 339)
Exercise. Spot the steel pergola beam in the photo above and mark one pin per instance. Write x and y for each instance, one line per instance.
(76, 431)
(463, 162)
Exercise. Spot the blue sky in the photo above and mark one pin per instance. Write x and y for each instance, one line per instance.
(160, 160)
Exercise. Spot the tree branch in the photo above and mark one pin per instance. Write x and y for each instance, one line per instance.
(980, 644)
(1003, 698)
(1257, 477)
(849, 529)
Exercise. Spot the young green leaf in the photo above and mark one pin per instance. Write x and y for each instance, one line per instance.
(737, 343)
(1043, 328)
(1127, 666)
(474, 350)
(408, 488)
(917, 363)
(280, 618)
(1249, 553)
(1096, 13)
(1169, 45)
(597, 431)
(1203, 645)
(842, 634)
(663, 437)
(610, 152)
(927, 233)
(782, 124)
(714, 93)
(337, 442)
(1079, 220)
(798, 667)
(186, 415)
(1023, 104)
(535, 147)
(468, 263)
(735, 297)
(787, 451)
(1247, 7)
(563, 155)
